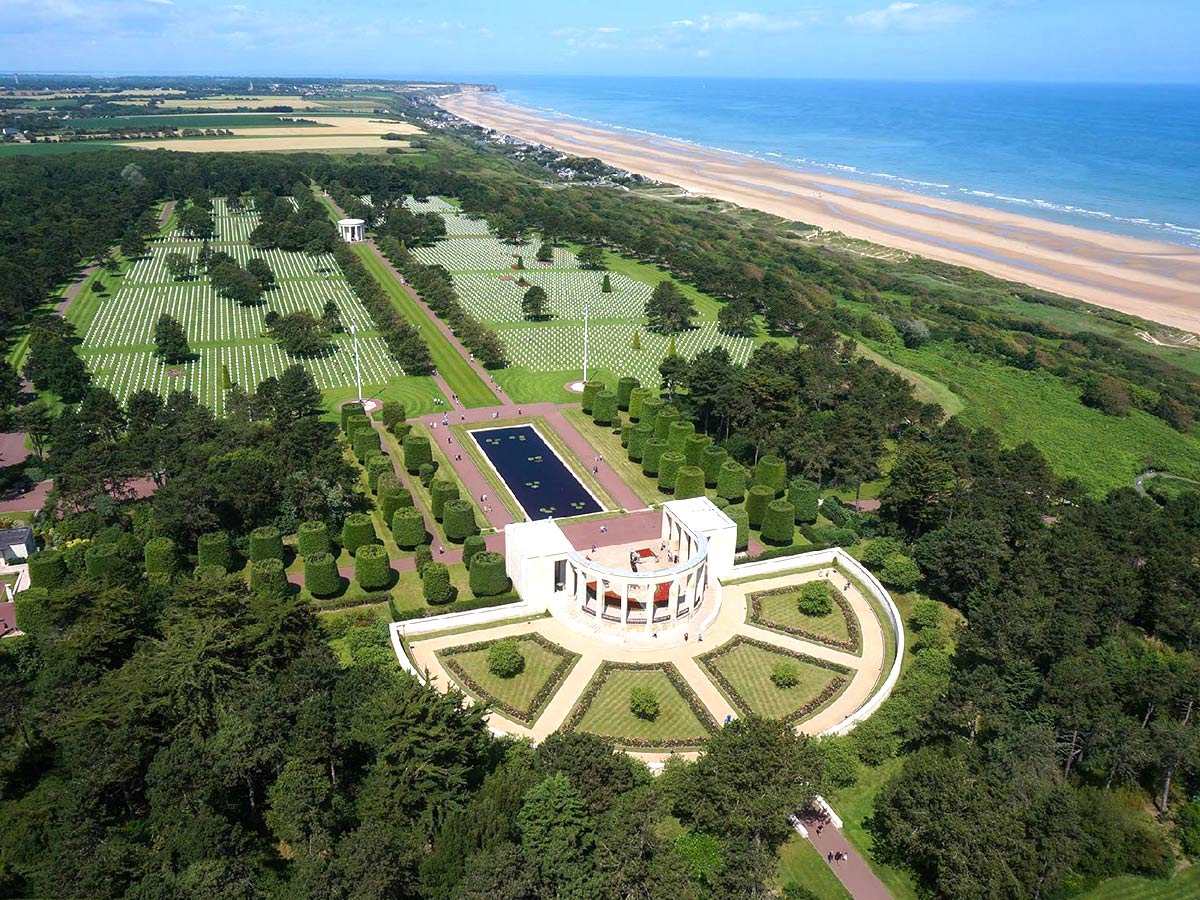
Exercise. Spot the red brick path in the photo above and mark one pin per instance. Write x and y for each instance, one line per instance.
(853, 872)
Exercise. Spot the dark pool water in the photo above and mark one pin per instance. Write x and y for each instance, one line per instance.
(540, 481)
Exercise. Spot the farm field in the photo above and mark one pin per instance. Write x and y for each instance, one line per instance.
(321, 133)
(546, 354)
(227, 339)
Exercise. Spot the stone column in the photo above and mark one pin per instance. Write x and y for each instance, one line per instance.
(624, 603)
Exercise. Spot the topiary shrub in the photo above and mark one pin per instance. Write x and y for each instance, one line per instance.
(651, 407)
(212, 549)
(626, 431)
(643, 703)
(757, 499)
(267, 576)
(435, 584)
(712, 458)
(695, 447)
(779, 523)
(441, 491)
(678, 435)
(103, 559)
(731, 481)
(719, 502)
(161, 556)
(392, 498)
(636, 398)
(31, 610)
(815, 599)
(590, 390)
(313, 539)
(669, 465)
(459, 520)
(321, 575)
(266, 543)
(785, 675)
(737, 512)
(376, 466)
(365, 443)
(472, 546)
(604, 408)
(651, 455)
(488, 577)
(47, 569)
(625, 388)
(505, 659)
(422, 558)
(667, 416)
(357, 531)
(804, 496)
(408, 527)
(771, 471)
(689, 482)
(417, 453)
(371, 568)
(392, 414)
(353, 408)
(426, 473)
(355, 422)
(638, 439)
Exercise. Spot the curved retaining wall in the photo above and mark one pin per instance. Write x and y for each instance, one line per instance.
(856, 571)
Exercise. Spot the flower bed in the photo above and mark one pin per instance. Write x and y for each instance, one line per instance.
(852, 644)
(607, 668)
(814, 703)
(537, 704)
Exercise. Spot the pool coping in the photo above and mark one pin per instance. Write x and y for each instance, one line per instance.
(504, 481)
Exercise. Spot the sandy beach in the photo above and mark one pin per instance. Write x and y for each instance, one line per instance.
(1155, 281)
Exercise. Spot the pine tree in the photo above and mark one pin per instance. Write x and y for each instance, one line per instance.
(606, 284)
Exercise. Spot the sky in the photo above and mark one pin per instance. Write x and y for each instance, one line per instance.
(485, 40)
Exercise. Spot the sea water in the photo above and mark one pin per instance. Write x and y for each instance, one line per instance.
(1121, 158)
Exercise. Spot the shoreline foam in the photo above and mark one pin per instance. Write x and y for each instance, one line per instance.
(1156, 281)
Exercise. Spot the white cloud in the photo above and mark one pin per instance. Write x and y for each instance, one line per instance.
(908, 16)
(703, 54)
(162, 2)
(743, 21)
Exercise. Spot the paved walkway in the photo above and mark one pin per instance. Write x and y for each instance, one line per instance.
(853, 871)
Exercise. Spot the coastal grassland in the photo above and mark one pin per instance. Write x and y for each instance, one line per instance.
(604, 710)
(800, 863)
(925, 389)
(522, 697)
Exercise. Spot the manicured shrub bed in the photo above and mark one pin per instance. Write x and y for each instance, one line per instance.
(212, 549)
(321, 575)
(487, 575)
(161, 555)
(312, 538)
(853, 643)
(266, 543)
(357, 531)
(417, 453)
(372, 570)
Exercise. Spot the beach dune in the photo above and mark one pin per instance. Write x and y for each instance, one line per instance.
(1155, 281)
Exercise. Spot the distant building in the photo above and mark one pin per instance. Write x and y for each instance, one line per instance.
(352, 230)
(16, 544)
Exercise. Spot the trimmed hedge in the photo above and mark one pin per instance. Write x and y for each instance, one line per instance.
(590, 390)
(689, 482)
(625, 389)
(47, 569)
(357, 531)
(459, 520)
(268, 576)
(652, 453)
(422, 558)
(638, 439)
(212, 549)
(355, 423)
(424, 612)
(371, 568)
(626, 431)
(779, 523)
(678, 435)
(712, 458)
(604, 408)
(313, 539)
(321, 575)
(365, 443)
(667, 416)
(408, 527)
(853, 641)
(695, 447)
(473, 545)
(636, 399)
(804, 496)
(441, 491)
(393, 498)
(161, 556)
(376, 466)
(771, 471)
(103, 559)
(426, 473)
(488, 577)
(435, 584)
(669, 465)
(266, 543)
(31, 609)
(757, 499)
(737, 512)
(417, 453)
(731, 481)
(392, 414)
(651, 407)
(349, 409)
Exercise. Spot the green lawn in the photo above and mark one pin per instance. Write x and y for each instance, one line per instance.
(784, 609)
(458, 373)
(519, 693)
(855, 805)
(608, 713)
(800, 863)
(523, 385)
(748, 669)
(1184, 886)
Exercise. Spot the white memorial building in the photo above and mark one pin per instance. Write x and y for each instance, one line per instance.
(352, 231)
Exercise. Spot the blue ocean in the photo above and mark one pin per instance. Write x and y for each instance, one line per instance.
(1121, 158)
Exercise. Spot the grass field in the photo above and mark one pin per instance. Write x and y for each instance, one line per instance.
(783, 609)
(1184, 886)
(521, 691)
(800, 863)
(608, 713)
(855, 805)
(748, 669)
